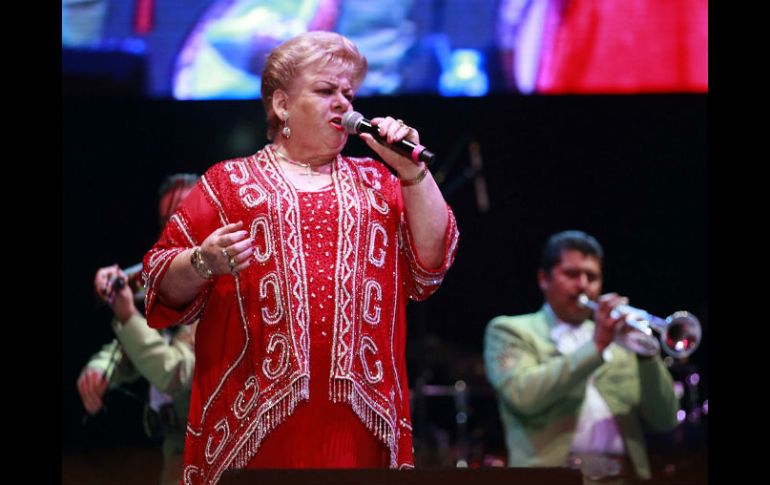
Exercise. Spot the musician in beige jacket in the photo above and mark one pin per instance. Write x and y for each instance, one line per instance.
(568, 395)
(165, 359)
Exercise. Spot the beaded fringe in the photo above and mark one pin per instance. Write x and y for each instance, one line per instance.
(270, 418)
(343, 390)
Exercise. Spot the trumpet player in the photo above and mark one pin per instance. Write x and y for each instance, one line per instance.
(165, 360)
(567, 394)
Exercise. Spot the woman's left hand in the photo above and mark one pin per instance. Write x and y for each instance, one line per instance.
(394, 130)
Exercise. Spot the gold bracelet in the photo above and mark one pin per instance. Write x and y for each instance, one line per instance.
(416, 180)
(197, 261)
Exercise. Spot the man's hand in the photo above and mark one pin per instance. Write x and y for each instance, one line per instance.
(91, 386)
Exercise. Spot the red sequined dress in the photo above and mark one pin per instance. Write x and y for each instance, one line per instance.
(320, 433)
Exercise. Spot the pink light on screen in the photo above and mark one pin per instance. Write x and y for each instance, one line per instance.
(629, 46)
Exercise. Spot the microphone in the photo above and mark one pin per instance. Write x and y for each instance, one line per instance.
(355, 123)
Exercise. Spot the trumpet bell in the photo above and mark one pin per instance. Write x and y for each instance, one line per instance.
(682, 334)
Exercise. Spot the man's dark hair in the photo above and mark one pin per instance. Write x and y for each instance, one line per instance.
(176, 181)
(174, 184)
(569, 240)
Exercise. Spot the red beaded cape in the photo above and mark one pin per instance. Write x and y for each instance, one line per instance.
(254, 337)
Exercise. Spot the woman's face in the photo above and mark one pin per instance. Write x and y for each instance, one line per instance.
(317, 99)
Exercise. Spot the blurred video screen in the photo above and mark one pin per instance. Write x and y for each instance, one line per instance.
(215, 49)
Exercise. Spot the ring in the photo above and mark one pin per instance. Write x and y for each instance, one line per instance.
(230, 259)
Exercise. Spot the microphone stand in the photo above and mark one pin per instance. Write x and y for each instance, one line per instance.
(473, 172)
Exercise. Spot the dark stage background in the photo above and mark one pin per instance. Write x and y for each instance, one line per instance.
(631, 170)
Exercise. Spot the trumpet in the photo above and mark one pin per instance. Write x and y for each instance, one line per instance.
(679, 334)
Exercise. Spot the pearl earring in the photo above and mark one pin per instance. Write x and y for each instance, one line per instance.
(286, 131)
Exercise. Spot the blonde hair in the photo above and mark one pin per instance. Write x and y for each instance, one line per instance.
(317, 48)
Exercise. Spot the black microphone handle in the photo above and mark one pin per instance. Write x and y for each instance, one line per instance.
(404, 147)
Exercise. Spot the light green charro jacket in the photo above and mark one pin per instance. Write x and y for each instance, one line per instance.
(143, 352)
(540, 391)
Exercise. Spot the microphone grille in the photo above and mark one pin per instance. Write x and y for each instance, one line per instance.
(350, 121)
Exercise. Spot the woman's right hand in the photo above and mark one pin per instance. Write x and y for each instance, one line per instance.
(228, 249)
